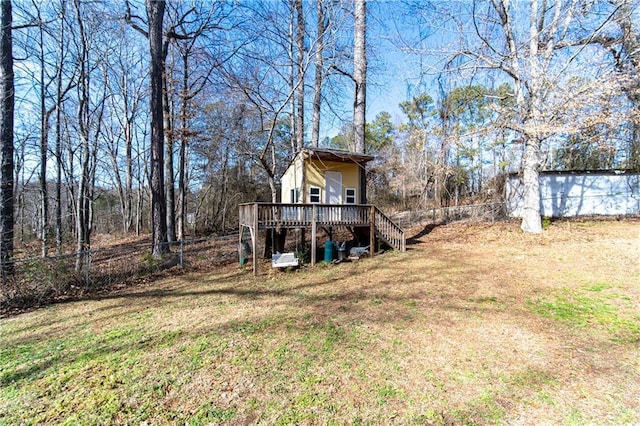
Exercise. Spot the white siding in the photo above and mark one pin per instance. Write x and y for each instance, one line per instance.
(566, 195)
(292, 179)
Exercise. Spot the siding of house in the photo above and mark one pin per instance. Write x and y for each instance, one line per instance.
(291, 179)
(580, 194)
(315, 175)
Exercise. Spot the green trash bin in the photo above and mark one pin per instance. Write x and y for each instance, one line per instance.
(329, 251)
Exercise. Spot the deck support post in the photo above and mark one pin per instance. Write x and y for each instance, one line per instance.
(372, 231)
(272, 216)
(313, 235)
(240, 244)
(254, 239)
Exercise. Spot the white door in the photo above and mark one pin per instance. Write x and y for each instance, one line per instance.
(333, 187)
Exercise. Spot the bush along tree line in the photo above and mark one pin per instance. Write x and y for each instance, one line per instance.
(157, 117)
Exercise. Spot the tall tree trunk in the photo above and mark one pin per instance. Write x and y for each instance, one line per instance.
(168, 161)
(319, 73)
(58, 196)
(360, 79)
(360, 75)
(82, 203)
(300, 33)
(125, 189)
(71, 187)
(18, 190)
(7, 97)
(442, 160)
(183, 147)
(44, 142)
(529, 107)
(292, 80)
(93, 164)
(128, 167)
(531, 221)
(60, 93)
(155, 14)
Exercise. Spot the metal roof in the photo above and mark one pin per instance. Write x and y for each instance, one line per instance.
(328, 154)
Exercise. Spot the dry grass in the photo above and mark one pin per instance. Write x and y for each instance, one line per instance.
(475, 324)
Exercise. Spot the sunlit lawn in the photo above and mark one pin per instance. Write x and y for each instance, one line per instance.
(474, 324)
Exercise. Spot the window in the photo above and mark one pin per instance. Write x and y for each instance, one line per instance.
(294, 196)
(350, 195)
(314, 194)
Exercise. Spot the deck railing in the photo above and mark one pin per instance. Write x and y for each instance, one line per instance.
(282, 215)
(387, 229)
(279, 216)
(271, 215)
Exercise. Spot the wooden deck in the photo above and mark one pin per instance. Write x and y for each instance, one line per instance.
(256, 216)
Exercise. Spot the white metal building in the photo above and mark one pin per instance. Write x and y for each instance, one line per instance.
(579, 193)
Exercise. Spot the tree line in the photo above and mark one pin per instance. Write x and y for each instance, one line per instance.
(572, 72)
(162, 116)
(173, 112)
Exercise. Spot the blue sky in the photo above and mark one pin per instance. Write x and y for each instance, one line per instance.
(390, 70)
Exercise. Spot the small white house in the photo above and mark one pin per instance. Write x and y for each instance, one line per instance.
(579, 193)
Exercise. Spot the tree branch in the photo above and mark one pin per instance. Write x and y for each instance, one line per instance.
(128, 18)
(340, 71)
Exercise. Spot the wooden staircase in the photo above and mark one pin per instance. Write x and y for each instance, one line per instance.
(388, 231)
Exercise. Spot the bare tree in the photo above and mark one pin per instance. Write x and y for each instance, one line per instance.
(6, 138)
(625, 49)
(48, 46)
(300, 68)
(360, 74)
(622, 41)
(45, 113)
(319, 71)
(91, 107)
(155, 15)
(61, 90)
(188, 91)
(536, 62)
(263, 73)
(168, 112)
(188, 28)
(186, 24)
(360, 80)
(194, 79)
(126, 86)
(83, 193)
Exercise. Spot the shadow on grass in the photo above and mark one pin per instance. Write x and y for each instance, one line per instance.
(111, 282)
(360, 308)
(385, 295)
(415, 239)
(291, 305)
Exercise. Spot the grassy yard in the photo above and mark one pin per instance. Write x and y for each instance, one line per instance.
(475, 324)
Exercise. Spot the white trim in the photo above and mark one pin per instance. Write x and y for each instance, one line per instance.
(319, 195)
(347, 196)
